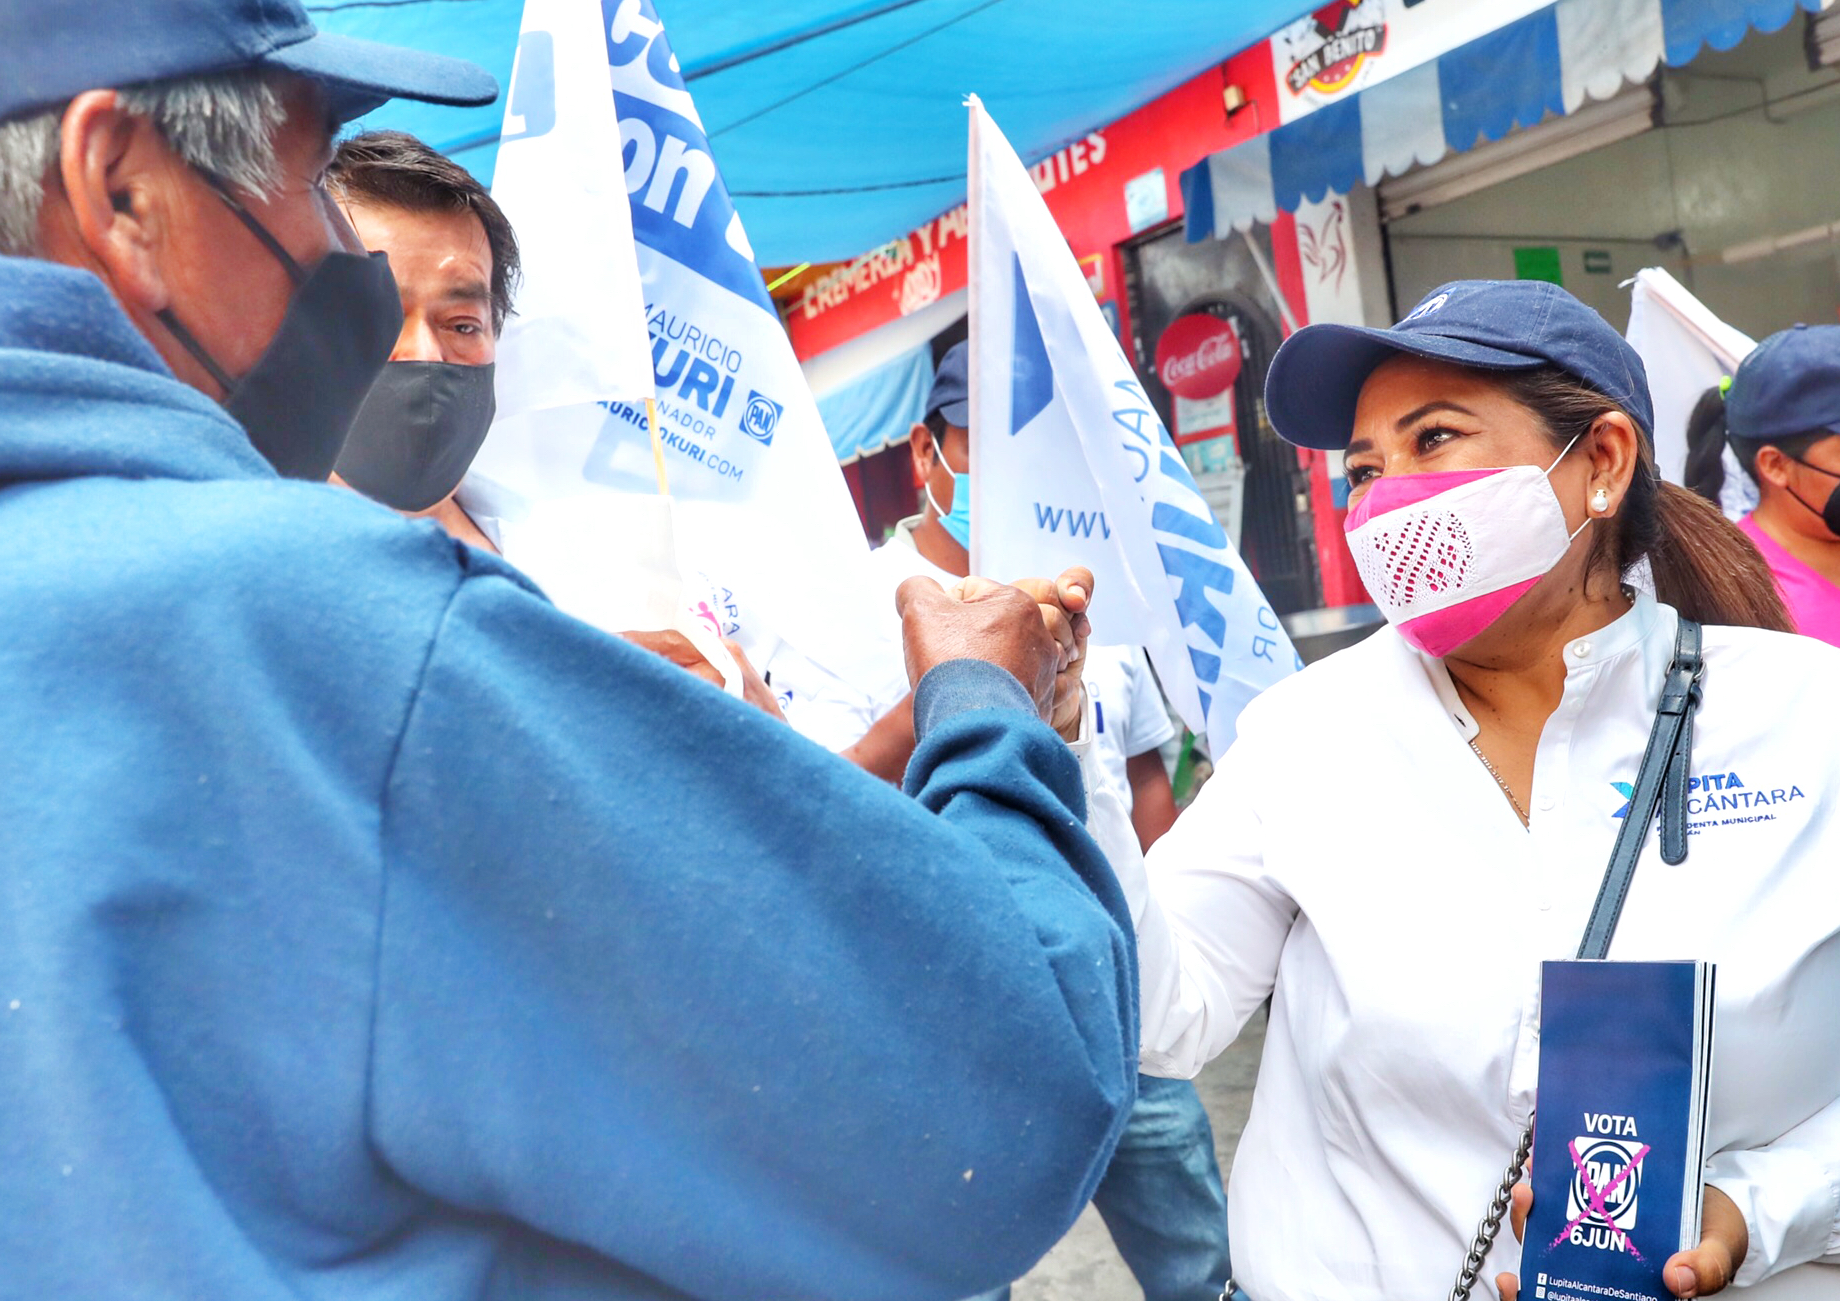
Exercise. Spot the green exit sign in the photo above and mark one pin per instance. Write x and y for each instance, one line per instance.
(1597, 261)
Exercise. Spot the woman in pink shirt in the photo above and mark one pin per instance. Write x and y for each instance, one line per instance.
(1782, 417)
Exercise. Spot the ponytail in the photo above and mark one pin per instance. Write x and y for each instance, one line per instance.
(1705, 468)
(1706, 568)
(1703, 565)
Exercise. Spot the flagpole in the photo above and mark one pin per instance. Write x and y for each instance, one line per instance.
(651, 424)
(974, 379)
(1271, 282)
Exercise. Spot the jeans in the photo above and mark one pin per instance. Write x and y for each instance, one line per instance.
(1162, 1200)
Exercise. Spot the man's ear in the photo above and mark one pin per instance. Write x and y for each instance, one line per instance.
(115, 173)
(920, 447)
(1772, 465)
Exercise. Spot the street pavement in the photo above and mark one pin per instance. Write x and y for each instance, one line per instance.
(1085, 1267)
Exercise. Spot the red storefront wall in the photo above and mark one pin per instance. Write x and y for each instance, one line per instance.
(1084, 185)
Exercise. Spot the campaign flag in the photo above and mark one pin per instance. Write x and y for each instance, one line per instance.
(561, 185)
(762, 506)
(651, 292)
(576, 344)
(1071, 465)
(1686, 350)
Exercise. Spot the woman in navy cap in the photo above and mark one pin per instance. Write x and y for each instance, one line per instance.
(1405, 830)
(1782, 419)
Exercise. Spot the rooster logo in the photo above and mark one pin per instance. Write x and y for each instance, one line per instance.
(1330, 19)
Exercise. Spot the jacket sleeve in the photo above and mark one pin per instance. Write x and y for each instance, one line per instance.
(660, 978)
(1789, 1192)
(1211, 922)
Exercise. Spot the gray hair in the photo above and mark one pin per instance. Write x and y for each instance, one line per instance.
(223, 123)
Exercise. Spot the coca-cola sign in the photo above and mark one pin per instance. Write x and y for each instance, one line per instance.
(1198, 356)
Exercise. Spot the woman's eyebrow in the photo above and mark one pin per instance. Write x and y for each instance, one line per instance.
(1413, 417)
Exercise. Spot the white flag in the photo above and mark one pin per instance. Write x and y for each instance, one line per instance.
(578, 336)
(576, 344)
(1686, 350)
(1071, 464)
(762, 508)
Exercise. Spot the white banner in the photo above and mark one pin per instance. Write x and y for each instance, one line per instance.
(765, 527)
(762, 505)
(558, 180)
(576, 343)
(1686, 350)
(1072, 466)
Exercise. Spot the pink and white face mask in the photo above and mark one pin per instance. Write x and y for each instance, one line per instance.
(1445, 554)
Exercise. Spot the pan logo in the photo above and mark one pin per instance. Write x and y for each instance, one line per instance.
(761, 417)
(1605, 1191)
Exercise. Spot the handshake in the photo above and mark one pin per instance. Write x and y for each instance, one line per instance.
(1036, 629)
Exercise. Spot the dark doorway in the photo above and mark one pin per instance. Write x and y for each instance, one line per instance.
(1166, 278)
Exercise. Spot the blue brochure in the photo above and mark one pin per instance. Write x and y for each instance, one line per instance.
(1619, 1134)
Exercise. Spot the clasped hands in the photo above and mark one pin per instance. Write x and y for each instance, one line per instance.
(1035, 628)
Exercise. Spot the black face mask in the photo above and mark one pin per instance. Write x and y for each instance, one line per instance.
(1830, 512)
(418, 431)
(297, 402)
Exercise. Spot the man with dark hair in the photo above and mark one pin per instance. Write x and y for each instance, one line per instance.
(368, 927)
(456, 264)
(394, 170)
(455, 257)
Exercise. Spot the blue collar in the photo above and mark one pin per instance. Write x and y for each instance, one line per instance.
(82, 393)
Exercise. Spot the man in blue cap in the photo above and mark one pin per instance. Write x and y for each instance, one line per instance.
(367, 927)
(1162, 1199)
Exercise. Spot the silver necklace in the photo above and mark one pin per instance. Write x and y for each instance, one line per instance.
(1518, 810)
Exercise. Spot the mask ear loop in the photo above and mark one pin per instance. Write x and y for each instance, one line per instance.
(1562, 455)
(256, 228)
(1819, 512)
(926, 484)
(186, 338)
(1573, 536)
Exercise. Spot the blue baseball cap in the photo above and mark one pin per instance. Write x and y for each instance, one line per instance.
(951, 395)
(1789, 385)
(1316, 376)
(56, 49)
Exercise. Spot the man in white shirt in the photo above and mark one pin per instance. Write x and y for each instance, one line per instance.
(1162, 1197)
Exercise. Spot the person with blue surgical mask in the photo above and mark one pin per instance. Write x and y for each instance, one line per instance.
(1162, 1198)
(937, 541)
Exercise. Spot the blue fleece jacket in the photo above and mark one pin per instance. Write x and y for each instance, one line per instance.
(370, 929)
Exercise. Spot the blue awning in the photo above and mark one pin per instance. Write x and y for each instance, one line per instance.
(839, 124)
(1548, 63)
(881, 408)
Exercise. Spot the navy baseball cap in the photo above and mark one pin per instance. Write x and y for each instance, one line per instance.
(1788, 385)
(56, 49)
(1316, 376)
(951, 394)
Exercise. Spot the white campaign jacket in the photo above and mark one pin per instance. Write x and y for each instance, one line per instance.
(1355, 862)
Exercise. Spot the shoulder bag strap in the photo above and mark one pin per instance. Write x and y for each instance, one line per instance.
(1662, 780)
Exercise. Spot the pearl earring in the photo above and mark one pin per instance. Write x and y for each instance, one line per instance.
(1600, 500)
